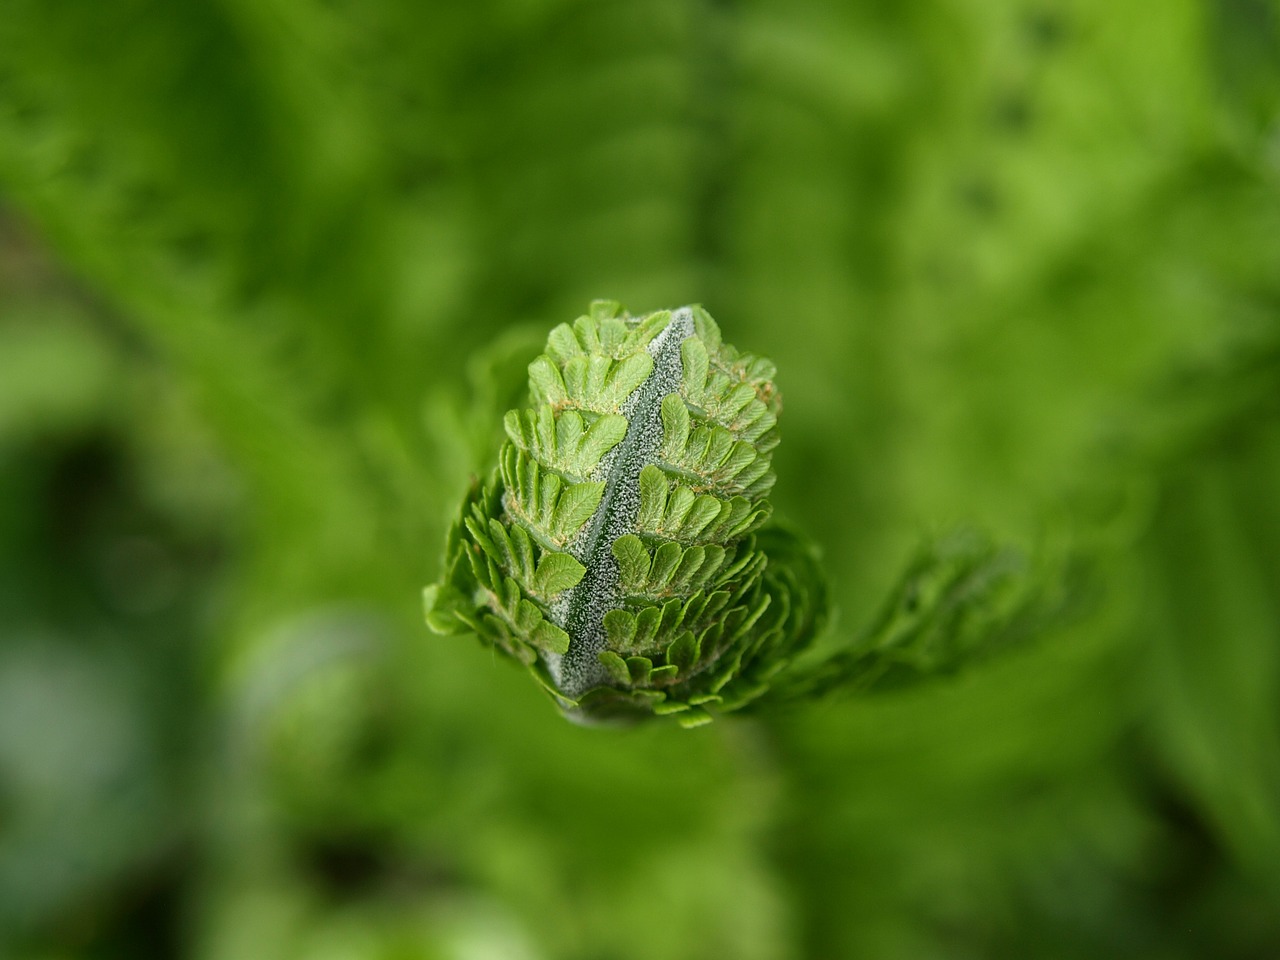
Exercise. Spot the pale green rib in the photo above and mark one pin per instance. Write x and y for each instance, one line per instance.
(581, 611)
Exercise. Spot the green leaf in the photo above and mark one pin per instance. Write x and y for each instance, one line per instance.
(678, 507)
(544, 494)
(557, 572)
(576, 505)
(613, 331)
(616, 666)
(546, 382)
(481, 537)
(737, 399)
(665, 560)
(595, 394)
(522, 551)
(620, 628)
(690, 563)
(683, 651)
(604, 309)
(569, 430)
(585, 328)
(668, 707)
(694, 718)
(545, 428)
(575, 378)
(647, 622)
(513, 424)
(705, 509)
(528, 616)
(675, 426)
(633, 560)
(505, 553)
(739, 457)
(603, 435)
(628, 375)
(714, 560)
(444, 608)
(639, 669)
(562, 344)
(648, 328)
(693, 356)
(547, 636)
(653, 497)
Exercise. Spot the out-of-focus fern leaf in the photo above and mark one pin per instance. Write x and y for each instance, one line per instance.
(959, 602)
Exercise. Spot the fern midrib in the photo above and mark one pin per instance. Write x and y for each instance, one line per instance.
(581, 612)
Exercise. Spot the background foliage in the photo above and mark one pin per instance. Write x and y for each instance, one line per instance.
(267, 271)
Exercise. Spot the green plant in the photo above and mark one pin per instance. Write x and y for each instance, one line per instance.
(621, 550)
(617, 551)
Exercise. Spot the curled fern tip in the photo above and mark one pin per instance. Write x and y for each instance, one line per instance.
(622, 550)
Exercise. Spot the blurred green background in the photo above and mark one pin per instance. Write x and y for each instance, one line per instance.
(270, 271)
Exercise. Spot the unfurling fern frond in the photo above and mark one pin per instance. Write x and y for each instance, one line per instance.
(622, 551)
(619, 550)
